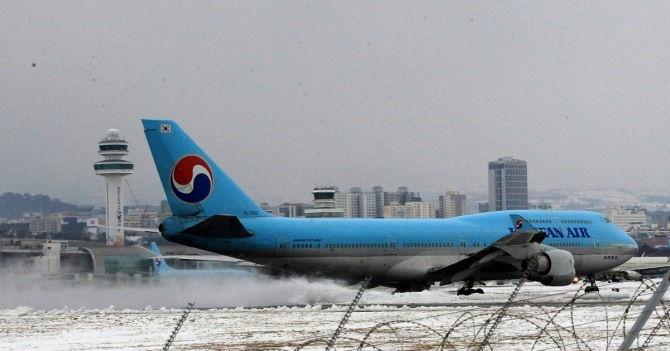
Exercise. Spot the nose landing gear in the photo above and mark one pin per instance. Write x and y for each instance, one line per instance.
(468, 290)
(592, 287)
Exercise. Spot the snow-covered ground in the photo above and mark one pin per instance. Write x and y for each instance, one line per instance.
(261, 314)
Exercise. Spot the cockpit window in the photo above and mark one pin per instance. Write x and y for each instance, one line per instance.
(607, 220)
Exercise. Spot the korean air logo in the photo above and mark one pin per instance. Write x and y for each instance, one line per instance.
(192, 179)
(518, 224)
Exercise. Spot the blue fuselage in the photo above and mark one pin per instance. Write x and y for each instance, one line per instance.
(404, 250)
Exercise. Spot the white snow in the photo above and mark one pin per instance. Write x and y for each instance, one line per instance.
(249, 314)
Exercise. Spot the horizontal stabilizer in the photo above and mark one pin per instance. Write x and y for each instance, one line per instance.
(130, 229)
(219, 226)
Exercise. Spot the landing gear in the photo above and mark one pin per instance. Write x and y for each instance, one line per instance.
(411, 287)
(468, 290)
(592, 287)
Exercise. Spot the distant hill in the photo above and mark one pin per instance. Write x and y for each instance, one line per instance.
(14, 205)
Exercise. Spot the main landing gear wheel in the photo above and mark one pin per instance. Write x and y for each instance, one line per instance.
(592, 287)
(468, 290)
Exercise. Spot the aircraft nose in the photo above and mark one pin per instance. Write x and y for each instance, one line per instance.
(630, 250)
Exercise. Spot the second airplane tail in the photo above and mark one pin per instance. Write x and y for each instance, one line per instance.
(159, 265)
(193, 183)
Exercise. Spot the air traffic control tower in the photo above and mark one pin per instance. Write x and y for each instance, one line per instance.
(114, 168)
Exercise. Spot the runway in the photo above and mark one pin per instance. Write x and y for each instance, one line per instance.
(300, 314)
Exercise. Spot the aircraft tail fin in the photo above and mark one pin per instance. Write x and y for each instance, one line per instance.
(159, 264)
(193, 183)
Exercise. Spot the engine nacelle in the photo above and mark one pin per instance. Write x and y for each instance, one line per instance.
(552, 267)
(632, 275)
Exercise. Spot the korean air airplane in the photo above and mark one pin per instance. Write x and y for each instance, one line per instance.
(211, 212)
(163, 269)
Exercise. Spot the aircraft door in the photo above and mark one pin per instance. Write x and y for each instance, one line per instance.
(392, 248)
(597, 245)
(282, 246)
(462, 244)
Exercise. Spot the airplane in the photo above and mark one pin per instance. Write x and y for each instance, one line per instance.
(639, 267)
(211, 212)
(161, 268)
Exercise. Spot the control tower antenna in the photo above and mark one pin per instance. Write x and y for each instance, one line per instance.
(114, 168)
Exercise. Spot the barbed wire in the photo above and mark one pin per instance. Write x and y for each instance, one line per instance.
(541, 326)
(544, 326)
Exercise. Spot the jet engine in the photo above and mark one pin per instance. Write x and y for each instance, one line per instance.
(632, 275)
(552, 267)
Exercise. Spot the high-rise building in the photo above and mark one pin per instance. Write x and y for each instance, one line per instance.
(410, 210)
(508, 184)
(46, 224)
(358, 204)
(627, 218)
(292, 209)
(401, 196)
(114, 168)
(165, 209)
(452, 204)
(379, 201)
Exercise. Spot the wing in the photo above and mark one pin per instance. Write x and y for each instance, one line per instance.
(132, 229)
(512, 250)
(656, 270)
(204, 258)
(638, 267)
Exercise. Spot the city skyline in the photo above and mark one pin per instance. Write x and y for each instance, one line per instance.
(581, 199)
(292, 96)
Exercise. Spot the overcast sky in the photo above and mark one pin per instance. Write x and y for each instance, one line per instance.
(288, 95)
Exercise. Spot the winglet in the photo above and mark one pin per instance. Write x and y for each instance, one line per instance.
(521, 224)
